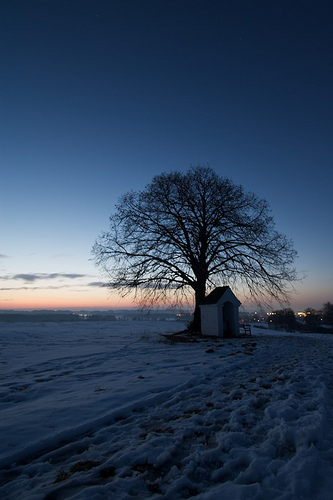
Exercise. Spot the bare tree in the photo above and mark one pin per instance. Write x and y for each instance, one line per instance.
(190, 232)
(284, 319)
(328, 313)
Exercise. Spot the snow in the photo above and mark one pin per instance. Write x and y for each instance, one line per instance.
(101, 410)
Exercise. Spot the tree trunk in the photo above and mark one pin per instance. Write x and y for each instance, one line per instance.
(200, 293)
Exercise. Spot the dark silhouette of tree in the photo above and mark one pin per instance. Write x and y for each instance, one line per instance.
(313, 317)
(328, 313)
(284, 319)
(193, 231)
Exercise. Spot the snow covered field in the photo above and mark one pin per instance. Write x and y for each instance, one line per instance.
(113, 411)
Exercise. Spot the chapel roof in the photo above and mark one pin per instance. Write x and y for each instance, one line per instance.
(216, 295)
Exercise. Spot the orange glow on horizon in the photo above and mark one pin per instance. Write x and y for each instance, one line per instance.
(52, 299)
(61, 304)
(51, 304)
(102, 298)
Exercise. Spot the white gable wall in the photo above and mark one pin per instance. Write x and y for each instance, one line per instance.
(211, 320)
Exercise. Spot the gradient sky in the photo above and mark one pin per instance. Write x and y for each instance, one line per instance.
(98, 96)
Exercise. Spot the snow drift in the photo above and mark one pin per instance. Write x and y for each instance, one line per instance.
(114, 410)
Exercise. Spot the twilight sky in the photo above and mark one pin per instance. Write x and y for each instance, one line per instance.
(98, 96)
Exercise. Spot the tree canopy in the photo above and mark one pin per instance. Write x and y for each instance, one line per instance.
(191, 231)
(328, 313)
(284, 319)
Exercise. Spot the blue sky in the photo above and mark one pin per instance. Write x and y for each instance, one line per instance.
(97, 97)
